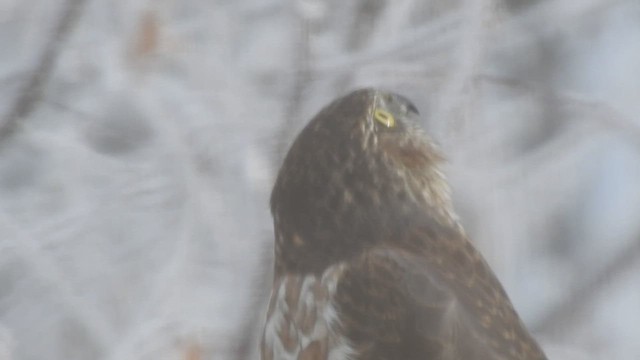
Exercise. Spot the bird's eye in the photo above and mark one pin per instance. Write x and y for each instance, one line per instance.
(384, 117)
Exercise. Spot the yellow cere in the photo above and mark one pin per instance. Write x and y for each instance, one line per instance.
(384, 117)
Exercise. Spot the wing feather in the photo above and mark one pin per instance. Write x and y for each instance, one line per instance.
(438, 301)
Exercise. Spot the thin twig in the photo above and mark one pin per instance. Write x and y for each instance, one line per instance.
(33, 88)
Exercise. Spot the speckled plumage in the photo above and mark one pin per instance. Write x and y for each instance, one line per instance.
(369, 247)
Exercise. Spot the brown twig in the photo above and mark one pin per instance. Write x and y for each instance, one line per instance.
(33, 88)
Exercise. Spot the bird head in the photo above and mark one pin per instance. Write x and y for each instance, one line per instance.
(360, 173)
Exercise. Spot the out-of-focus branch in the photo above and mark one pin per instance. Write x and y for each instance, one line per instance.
(598, 111)
(439, 34)
(262, 284)
(301, 77)
(573, 305)
(253, 322)
(33, 88)
(435, 37)
(557, 15)
(466, 62)
(45, 269)
(543, 164)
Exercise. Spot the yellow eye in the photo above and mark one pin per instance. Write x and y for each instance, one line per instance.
(384, 117)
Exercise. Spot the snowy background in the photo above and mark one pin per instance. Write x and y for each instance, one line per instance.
(139, 141)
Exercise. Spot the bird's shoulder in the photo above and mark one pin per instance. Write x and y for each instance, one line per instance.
(431, 296)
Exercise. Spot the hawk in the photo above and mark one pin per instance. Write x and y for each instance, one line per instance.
(371, 262)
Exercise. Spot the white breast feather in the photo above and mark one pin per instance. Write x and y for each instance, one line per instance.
(324, 329)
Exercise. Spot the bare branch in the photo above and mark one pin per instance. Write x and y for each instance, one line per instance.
(435, 37)
(598, 111)
(32, 91)
(301, 78)
(253, 321)
(567, 310)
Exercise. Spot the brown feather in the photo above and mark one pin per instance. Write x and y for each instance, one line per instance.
(371, 262)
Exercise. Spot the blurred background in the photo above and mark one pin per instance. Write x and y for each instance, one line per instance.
(139, 141)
